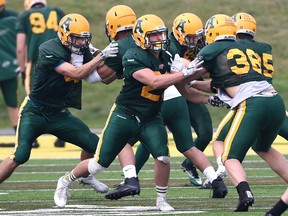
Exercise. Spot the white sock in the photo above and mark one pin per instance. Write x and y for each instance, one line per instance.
(161, 191)
(210, 174)
(129, 171)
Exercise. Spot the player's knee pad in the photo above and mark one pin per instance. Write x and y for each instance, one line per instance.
(164, 159)
(94, 167)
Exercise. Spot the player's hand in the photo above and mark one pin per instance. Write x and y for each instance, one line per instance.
(177, 64)
(110, 51)
(215, 101)
(92, 49)
(193, 67)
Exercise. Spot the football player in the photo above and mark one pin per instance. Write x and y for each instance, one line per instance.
(250, 97)
(37, 24)
(63, 63)
(186, 39)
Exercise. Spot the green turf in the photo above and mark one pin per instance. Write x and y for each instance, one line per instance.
(32, 186)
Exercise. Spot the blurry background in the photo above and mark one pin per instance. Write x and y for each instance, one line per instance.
(272, 27)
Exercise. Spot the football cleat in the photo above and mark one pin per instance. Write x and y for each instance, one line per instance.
(131, 187)
(269, 214)
(62, 192)
(219, 188)
(162, 205)
(95, 184)
(193, 175)
(246, 199)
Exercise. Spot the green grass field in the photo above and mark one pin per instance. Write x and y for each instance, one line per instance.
(29, 191)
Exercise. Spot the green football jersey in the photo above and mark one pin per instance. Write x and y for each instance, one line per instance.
(264, 52)
(8, 61)
(40, 25)
(230, 63)
(136, 98)
(51, 88)
(116, 63)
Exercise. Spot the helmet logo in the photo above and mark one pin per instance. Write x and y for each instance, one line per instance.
(210, 22)
(138, 28)
(180, 26)
(66, 25)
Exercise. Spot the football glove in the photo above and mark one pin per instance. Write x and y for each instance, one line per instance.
(110, 51)
(177, 64)
(92, 49)
(215, 101)
(193, 67)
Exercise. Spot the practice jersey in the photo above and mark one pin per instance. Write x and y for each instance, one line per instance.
(40, 25)
(264, 52)
(230, 63)
(8, 13)
(8, 60)
(136, 98)
(116, 63)
(51, 88)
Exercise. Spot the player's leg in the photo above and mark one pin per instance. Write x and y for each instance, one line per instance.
(9, 90)
(31, 125)
(176, 118)
(154, 136)
(113, 138)
(141, 156)
(280, 207)
(284, 129)
(201, 122)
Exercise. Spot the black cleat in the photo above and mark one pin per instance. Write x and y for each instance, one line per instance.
(246, 199)
(193, 175)
(269, 214)
(219, 188)
(35, 144)
(59, 143)
(131, 187)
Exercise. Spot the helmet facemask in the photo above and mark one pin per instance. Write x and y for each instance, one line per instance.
(79, 43)
(157, 45)
(193, 40)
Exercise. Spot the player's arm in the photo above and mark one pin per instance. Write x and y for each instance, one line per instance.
(157, 81)
(106, 73)
(200, 85)
(21, 51)
(67, 69)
